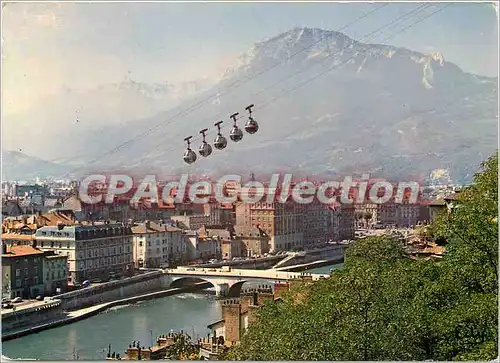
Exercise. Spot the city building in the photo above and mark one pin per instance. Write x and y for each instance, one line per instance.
(323, 223)
(282, 222)
(222, 214)
(201, 247)
(95, 252)
(157, 244)
(256, 242)
(192, 222)
(436, 207)
(22, 274)
(18, 239)
(55, 273)
(346, 222)
(31, 190)
(11, 208)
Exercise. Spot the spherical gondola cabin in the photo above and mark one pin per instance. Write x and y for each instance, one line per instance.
(251, 125)
(220, 141)
(189, 155)
(205, 148)
(236, 134)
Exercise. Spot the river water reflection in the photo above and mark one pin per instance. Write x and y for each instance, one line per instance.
(119, 326)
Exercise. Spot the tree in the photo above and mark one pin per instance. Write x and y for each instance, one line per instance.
(472, 228)
(362, 313)
(182, 348)
(467, 321)
(383, 306)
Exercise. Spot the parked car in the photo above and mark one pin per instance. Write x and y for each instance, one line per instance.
(17, 300)
(7, 305)
(39, 298)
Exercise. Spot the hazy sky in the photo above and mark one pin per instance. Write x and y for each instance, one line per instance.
(48, 47)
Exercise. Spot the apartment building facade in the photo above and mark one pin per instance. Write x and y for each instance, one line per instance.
(94, 252)
(157, 245)
(22, 272)
(282, 222)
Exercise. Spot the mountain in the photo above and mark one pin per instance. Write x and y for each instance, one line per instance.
(72, 113)
(381, 109)
(19, 166)
(373, 108)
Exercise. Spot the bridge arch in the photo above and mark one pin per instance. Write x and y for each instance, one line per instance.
(187, 281)
(235, 289)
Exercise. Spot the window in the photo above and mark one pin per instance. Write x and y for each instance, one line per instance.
(18, 283)
(35, 280)
(18, 272)
(26, 272)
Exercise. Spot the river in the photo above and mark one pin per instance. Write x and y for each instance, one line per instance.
(119, 326)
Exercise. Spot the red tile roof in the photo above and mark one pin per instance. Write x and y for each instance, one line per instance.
(17, 251)
(16, 236)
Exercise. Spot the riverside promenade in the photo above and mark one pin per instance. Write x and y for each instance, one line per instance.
(84, 313)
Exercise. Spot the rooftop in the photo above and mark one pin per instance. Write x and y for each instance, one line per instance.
(18, 236)
(17, 251)
(152, 227)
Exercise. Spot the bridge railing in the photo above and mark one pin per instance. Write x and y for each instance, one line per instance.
(243, 273)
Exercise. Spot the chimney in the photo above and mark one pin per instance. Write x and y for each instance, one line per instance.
(4, 249)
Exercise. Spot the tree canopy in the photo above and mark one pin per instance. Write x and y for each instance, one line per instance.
(384, 306)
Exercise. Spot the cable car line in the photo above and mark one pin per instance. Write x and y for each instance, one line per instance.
(420, 8)
(328, 70)
(285, 92)
(206, 99)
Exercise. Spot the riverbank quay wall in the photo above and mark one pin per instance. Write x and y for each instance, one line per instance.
(114, 290)
(333, 254)
(75, 316)
(30, 316)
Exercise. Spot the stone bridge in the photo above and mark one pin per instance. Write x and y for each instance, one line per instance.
(229, 283)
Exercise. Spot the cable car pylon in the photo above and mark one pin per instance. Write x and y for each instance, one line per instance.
(220, 141)
(236, 134)
(189, 155)
(205, 148)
